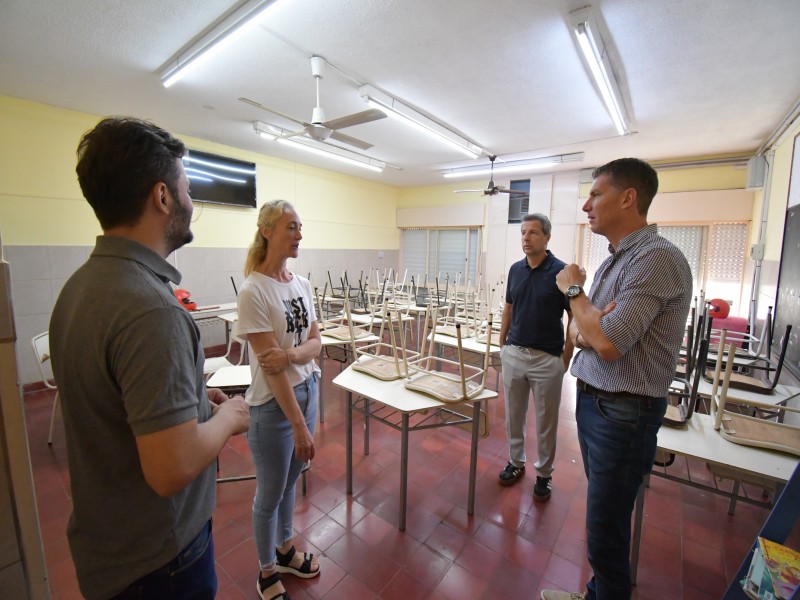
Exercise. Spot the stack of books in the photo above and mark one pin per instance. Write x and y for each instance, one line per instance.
(774, 572)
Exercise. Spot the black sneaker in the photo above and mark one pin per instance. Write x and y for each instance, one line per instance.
(541, 490)
(511, 474)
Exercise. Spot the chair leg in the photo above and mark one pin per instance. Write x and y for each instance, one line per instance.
(734, 494)
(52, 421)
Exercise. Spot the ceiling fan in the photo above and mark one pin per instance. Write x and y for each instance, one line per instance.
(319, 129)
(492, 189)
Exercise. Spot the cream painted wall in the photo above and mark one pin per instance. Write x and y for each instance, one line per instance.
(41, 202)
(444, 195)
(778, 189)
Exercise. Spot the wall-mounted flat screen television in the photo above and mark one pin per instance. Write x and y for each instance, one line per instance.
(220, 180)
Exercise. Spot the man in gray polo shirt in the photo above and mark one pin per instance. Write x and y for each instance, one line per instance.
(142, 430)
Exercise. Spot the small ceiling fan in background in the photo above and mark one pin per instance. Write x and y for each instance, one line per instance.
(492, 189)
(319, 129)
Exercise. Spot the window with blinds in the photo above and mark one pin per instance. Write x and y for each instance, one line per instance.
(442, 253)
(716, 253)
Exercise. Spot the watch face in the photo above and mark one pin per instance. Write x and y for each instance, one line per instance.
(573, 291)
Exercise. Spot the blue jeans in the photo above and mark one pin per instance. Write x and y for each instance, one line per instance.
(189, 576)
(271, 443)
(618, 444)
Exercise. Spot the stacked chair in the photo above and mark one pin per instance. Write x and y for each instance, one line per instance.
(740, 428)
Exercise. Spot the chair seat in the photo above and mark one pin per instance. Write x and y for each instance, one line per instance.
(442, 386)
(760, 433)
(675, 416)
(745, 382)
(386, 368)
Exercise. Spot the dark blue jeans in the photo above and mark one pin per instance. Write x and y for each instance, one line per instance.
(189, 576)
(618, 444)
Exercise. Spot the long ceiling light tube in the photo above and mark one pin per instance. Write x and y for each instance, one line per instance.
(394, 108)
(270, 132)
(514, 166)
(596, 57)
(217, 37)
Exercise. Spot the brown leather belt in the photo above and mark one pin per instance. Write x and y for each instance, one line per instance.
(590, 389)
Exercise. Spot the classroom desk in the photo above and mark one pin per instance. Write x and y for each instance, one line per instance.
(700, 441)
(209, 315)
(393, 405)
(208, 312)
(234, 379)
(332, 341)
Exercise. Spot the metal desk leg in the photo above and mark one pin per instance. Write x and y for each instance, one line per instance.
(473, 456)
(403, 471)
(349, 442)
(321, 384)
(637, 529)
(366, 426)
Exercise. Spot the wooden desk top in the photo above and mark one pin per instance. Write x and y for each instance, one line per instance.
(393, 393)
(702, 442)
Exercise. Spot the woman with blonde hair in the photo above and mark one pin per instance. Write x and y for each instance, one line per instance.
(276, 313)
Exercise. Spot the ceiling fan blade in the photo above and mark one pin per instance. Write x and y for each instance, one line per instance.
(459, 191)
(351, 141)
(365, 116)
(504, 190)
(272, 110)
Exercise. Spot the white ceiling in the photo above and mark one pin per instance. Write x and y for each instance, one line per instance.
(699, 77)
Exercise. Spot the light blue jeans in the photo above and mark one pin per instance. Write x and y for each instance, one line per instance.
(272, 446)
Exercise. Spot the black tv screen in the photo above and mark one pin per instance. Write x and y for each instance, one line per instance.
(220, 180)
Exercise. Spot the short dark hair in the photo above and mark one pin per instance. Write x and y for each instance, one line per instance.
(635, 173)
(119, 162)
(543, 221)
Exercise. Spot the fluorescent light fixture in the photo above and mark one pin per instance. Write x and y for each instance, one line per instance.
(596, 58)
(265, 131)
(416, 120)
(215, 38)
(273, 133)
(336, 154)
(513, 166)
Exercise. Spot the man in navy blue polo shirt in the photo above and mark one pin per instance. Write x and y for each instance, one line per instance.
(534, 354)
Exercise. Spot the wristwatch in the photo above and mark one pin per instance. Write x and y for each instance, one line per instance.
(573, 291)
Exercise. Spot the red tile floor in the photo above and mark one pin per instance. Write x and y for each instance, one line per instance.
(510, 548)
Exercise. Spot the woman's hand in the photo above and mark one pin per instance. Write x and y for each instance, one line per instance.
(273, 360)
(303, 443)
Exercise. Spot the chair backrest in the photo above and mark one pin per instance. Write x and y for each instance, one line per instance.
(784, 347)
(241, 340)
(41, 349)
(697, 375)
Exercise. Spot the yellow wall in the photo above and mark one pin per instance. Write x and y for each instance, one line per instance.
(778, 188)
(442, 195)
(694, 179)
(41, 202)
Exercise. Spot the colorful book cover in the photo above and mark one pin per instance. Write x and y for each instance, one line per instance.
(774, 572)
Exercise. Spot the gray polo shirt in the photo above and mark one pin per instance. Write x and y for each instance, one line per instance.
(128, 361)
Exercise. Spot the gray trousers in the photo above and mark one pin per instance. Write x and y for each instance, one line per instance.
(527, 371)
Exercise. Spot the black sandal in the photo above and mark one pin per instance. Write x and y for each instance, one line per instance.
(264, 582)
(283, 564)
